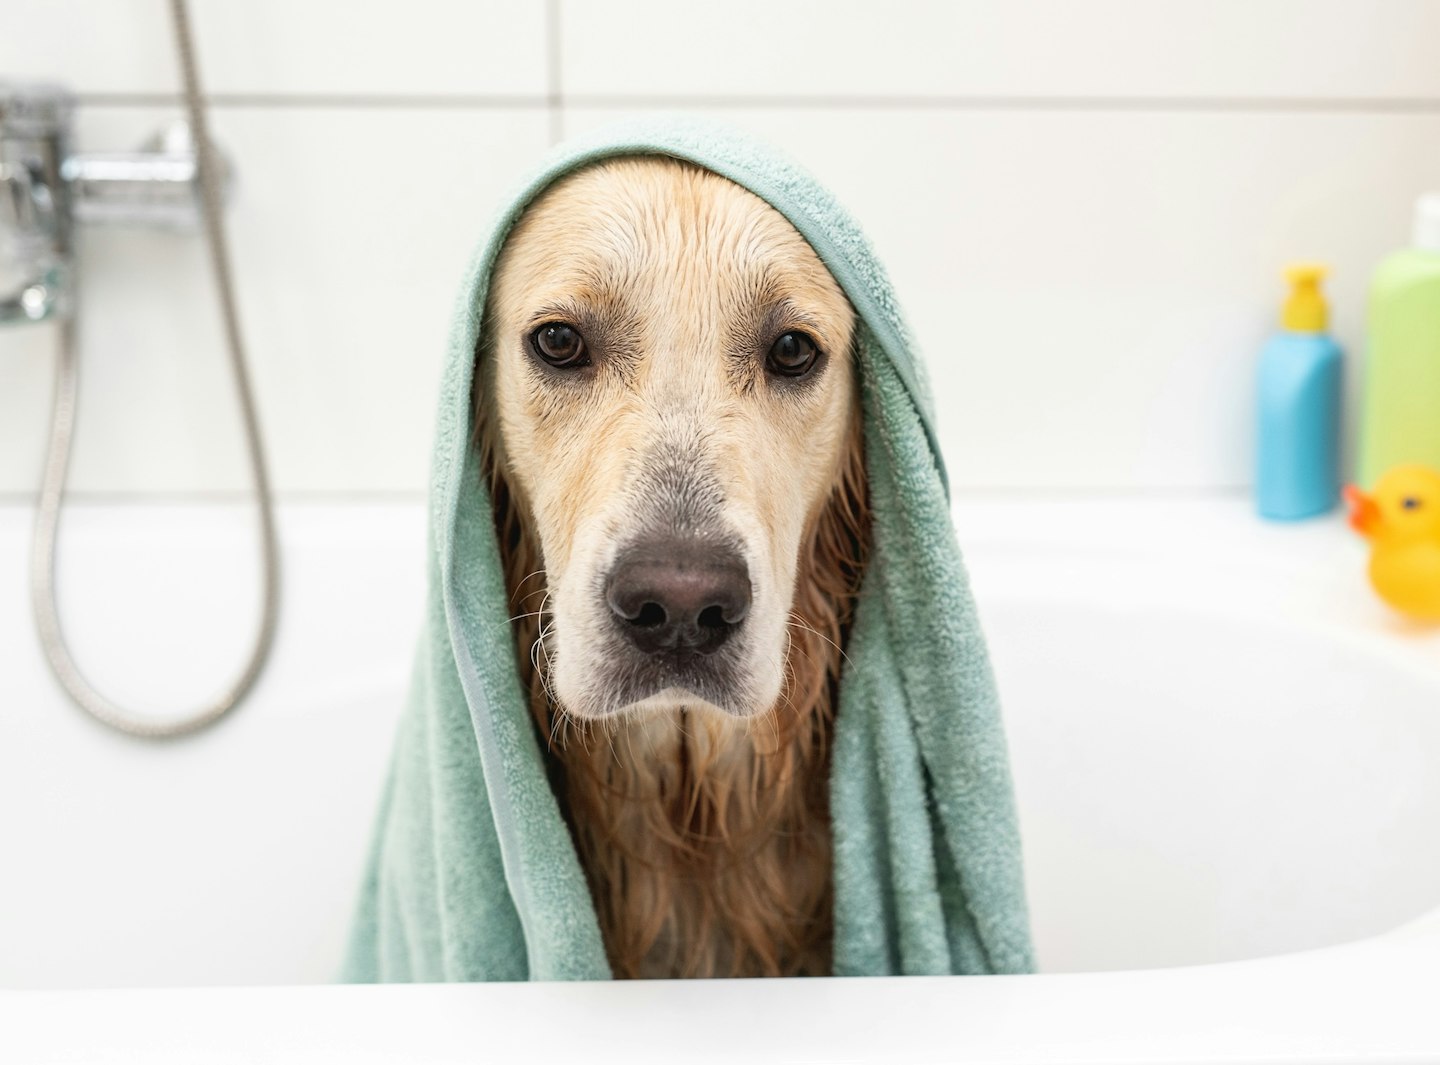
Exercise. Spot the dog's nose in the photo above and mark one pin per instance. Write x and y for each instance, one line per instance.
(678, 595)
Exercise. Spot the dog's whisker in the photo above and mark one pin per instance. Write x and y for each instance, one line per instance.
(528, 596)
(521, 583)
(800, 622)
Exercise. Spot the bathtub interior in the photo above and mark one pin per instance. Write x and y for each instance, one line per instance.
(232, 856)
(1221, 750)
(1207, 793)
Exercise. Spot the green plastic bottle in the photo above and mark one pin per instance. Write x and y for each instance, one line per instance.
(1401, 419)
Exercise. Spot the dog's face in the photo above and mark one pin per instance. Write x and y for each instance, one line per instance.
(669, 365)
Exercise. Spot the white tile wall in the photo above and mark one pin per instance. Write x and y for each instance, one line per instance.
(1084, 204)
(1353, 49)
(364, 48)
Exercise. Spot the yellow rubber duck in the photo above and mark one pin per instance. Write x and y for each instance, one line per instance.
(1401, 519)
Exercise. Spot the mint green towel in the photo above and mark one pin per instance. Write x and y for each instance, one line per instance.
(472, 873)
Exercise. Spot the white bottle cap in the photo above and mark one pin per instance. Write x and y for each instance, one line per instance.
(1427, 222)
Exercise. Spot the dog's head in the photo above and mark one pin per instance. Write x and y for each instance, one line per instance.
(669, 367)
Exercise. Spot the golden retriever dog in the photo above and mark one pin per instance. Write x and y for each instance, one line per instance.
(669, 421)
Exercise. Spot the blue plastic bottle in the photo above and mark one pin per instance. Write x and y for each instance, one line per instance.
(1297, 472)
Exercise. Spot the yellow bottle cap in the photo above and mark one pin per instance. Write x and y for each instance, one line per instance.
(1306, 310)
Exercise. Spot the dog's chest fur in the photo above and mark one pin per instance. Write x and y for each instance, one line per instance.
(706, 842)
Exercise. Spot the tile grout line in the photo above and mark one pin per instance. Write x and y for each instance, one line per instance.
(1037, 103)
(208, 496)
(338, 101)
(555, 99)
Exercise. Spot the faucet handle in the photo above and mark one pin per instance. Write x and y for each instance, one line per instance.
(155, 186)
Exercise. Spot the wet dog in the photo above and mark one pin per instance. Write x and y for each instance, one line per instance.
(669, 421)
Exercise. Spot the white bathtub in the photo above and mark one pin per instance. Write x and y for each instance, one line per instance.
(1225, 752)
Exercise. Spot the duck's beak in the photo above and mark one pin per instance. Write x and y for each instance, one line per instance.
(1364, 511)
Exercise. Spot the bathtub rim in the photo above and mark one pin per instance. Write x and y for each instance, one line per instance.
(1362, 1001)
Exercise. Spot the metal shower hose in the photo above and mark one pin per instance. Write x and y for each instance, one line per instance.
(62, 426)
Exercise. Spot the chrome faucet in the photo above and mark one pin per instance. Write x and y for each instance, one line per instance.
(35, 247)
(45, 190)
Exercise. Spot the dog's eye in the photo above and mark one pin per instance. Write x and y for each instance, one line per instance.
(792, 355)
(560, 345)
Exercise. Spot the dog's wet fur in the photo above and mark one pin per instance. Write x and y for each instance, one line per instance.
(683, 523)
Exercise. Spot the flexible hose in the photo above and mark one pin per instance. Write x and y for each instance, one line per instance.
(62, 429)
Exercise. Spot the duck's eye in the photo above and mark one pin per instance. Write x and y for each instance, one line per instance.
(1410, 503)
(560, 345)
(793, 354)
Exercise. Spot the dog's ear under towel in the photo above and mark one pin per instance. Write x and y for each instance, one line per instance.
(472, 873)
